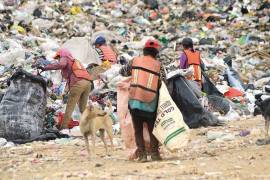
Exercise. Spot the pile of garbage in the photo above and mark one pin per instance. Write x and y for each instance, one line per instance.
(232, 36)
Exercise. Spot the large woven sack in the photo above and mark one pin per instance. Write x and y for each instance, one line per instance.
(170, 128)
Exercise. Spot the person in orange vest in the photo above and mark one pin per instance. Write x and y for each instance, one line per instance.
(105, 52)
(145, 74)
(78, 82)
(191, 58)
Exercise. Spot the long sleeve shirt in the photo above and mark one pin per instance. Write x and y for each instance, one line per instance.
(65, 65)
(183, 61)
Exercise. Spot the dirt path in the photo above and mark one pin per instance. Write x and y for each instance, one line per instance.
(239, 158)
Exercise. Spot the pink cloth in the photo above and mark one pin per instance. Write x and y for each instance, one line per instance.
(127, 130)
(65, 65)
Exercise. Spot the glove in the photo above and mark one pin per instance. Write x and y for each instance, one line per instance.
(65, 98)
(41, 68)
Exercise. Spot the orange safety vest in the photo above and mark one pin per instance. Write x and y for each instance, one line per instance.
(79, 71)
(145, 76)
(108, 53)
(194, 60)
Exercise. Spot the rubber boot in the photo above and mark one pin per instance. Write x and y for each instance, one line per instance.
(156, 156)
(142, 157)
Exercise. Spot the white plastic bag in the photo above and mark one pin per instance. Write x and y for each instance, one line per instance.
(42, 24)
(81, 49)
(170, 128)
(14, 56)
(111, 73)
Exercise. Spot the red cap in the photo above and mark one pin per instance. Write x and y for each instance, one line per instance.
(152, 43)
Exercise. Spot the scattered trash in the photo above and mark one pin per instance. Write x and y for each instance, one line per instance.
(213, 135)
(261, 142)
(3, 142)
(232, 37)
(244, 133)
(98, 165)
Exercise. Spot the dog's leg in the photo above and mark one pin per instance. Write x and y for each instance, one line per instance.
(267, 121)
(94, 142)
(110, 134)
(87, 144)
(102, 136)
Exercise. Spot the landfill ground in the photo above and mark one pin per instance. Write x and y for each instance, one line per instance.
(239, 158)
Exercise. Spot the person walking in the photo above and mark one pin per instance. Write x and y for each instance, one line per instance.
(145, 74)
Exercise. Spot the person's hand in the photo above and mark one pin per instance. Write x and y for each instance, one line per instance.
(65, 98)
(41, 68)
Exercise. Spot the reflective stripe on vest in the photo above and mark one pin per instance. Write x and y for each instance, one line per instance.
(145, 77)
(108, 53)
(194, 61)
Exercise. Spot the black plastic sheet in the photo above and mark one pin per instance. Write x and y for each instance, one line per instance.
(193, 113)
(208, 87)
(23, 107)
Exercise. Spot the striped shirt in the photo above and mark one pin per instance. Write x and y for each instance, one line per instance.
(100, 54)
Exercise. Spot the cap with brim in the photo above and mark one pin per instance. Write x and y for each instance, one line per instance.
(152, 43)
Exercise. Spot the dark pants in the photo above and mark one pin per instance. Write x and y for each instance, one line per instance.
(138, 117)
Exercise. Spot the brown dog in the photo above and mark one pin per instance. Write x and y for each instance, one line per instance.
(94, 119)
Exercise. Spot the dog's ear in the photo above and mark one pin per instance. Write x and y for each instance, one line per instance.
(258, 103)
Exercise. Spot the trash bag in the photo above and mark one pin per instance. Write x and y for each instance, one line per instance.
(37, 13)
(206, 41)
(219, 104)
(1, 96)
(111, 73)
(188, 15)
(233, 92)
(195, 88)
(46, 135)
(14, 56)
(228, 60)
(170, 128)
(194, 114)
(233, 79)
(23, 107)
(153, 4)
(267, 89)
(81, 49)
(208, 87)
(265, 5)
